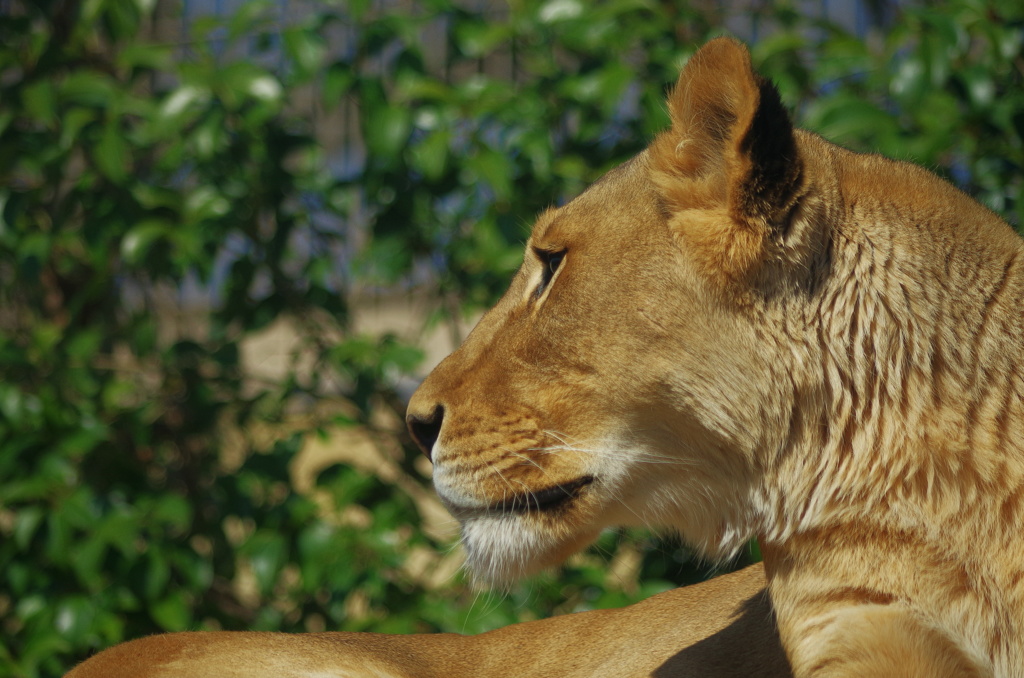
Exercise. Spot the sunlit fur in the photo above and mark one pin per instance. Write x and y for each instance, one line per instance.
(754, 332)
(718, 629)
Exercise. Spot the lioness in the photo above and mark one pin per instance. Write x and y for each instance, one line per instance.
(748, 331)
(743, 331)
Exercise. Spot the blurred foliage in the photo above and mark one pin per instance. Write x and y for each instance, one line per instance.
(135, 176)
(943, 87)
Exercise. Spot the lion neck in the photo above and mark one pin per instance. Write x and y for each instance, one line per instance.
(907, 401)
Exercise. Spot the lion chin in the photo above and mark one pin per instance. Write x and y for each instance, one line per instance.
(502, 549)
(518, 534)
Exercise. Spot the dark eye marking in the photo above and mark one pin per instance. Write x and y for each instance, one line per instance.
(551, 261)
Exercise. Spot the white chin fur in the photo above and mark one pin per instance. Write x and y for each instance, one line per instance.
(503, 548)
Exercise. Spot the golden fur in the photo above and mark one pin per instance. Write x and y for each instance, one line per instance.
(744, 331)
(718, 629)
(748, 331)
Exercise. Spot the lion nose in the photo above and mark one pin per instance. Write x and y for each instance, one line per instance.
(425, 428)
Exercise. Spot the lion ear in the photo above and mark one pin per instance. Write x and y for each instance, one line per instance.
(728, 169)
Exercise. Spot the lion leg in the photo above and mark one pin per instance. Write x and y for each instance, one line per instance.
(880, 641)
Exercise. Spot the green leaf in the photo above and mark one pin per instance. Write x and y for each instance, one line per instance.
(338, 81)
(945, 26)
(386, 130)
(40, 102)
(492, 167)
(477, 39)
(266, 552)
(180, 102)
(980, 86)
(402, 356)
(306, 49)
(248, 17)
(74, 618)
(158, 574)
(16, 405)
(173, 511)
(90, 434)
(142, 238)
(205, 202)
(172, 613)
(317, 549)
(89, 88)
(83, 346)
(72, 124)
(153, 197)
(604, 86)
(26, 524)
(910, 77)
(849, 119)
(245, 82)
(430, 156)
(554, 11)
(146, 56)
(111, 154)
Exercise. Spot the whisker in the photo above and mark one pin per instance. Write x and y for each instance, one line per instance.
(640, 519)
(525, 458)
(511, 489)
(641, 457)
(568, 444)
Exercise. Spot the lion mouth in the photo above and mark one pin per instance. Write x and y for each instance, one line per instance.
(548, 499)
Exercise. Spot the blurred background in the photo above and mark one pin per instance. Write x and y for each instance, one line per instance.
(234, 236)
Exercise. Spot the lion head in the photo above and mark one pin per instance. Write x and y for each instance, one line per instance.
(620, 380)
(708, 338)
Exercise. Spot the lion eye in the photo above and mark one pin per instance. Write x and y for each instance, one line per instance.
(551, 261)
(554, 259)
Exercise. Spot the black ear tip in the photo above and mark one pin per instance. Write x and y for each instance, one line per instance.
(770, 96)
(770, 143)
